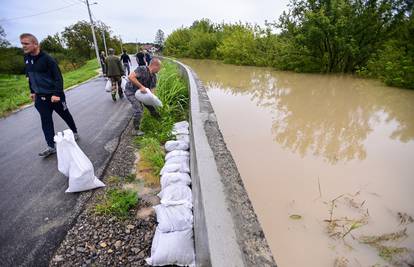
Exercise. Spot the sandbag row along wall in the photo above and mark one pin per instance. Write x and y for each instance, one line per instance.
(226, 229)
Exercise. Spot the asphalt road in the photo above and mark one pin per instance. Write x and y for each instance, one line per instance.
(35, 211)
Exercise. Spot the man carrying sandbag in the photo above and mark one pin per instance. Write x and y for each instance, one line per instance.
(142, 78)
(114, 71)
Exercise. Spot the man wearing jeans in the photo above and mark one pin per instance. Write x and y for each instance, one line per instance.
(46, 89)
(142, 78)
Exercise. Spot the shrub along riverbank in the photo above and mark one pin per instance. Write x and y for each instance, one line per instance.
(14, 89)
(371, 38)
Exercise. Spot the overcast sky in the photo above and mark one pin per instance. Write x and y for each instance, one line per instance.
(131, 19)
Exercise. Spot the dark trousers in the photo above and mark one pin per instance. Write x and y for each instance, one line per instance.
(138, 109)
(116, 85)
(127, 68)
(45, 107)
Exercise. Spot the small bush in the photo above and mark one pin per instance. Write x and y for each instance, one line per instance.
(117, 202)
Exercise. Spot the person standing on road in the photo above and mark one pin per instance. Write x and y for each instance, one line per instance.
(147, 57)
(46, 89)
(114, 71)
(102, 59)
(141, 78)
(141, 58)
(126, 61)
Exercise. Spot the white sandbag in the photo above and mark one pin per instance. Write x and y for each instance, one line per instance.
(181, 124)
(176, 153)
(173, 248)
(81, 172)
(181, 128)
(148, 99)
(123, 83)
(180, 131)
(181, 159)
(173, 218)
(63, 157)
(176, 145)
(176, 194)
(108, 86)
(183, 137)
(176, 167)
(175, 178)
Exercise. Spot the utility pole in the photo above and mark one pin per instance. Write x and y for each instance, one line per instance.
(120, 39)
(104, 41)
(93, 33)
(136, 41)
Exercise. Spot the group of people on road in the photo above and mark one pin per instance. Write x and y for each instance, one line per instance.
(47, 91)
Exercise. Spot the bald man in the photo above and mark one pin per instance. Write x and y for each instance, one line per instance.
(46, 89)
(141, 78)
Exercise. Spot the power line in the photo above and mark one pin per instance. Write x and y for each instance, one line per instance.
(40, 13)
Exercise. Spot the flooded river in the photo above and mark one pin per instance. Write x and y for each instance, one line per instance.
(327, 160)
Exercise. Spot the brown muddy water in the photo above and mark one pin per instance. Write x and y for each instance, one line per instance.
(327, 160)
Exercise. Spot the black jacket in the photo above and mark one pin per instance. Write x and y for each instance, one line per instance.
(125, 58)
(44, 74)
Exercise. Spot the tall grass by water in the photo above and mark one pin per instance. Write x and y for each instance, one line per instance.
(172, 90)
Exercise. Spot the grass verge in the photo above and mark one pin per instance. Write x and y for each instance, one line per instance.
(117, 202)
(14, 89)
(172, 91)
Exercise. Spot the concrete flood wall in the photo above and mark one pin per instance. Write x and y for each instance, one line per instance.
(226, 229)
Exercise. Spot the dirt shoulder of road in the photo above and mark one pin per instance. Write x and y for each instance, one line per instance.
(105, 240)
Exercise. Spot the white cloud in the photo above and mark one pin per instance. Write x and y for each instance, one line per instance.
(133, 19)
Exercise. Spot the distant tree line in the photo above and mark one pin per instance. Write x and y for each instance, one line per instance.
(71, 48)
(373, 38)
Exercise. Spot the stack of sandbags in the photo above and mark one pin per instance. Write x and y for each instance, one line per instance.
(173, 242)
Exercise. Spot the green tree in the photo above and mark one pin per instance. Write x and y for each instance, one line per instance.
(238, 45)
(159, 39)
(177, 43)
(52, 44)
(3, 40)
(78, 38)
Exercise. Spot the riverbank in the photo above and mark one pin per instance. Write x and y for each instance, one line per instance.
(15, 93)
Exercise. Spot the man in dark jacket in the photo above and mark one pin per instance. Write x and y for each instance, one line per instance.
(126, 60)
(140, 56)
(147, 57)
(102, 59)
(114, 71)
(46, 89)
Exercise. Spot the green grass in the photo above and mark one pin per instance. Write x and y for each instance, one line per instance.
(14, 89)
(152, 153)
(173, 92)
(117, 202)
(130, 178)
(82, 74)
